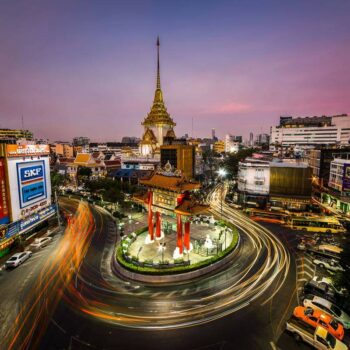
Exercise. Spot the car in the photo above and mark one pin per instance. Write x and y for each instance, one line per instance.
(40, 242)
(17, 259)
(315, 318)
(318, 303)
(320, 289)
(327, 280)
(329, 248)
(301, 246)
(331, 264)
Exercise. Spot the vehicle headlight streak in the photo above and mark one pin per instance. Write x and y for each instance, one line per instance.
(214, 296)
(259, 268)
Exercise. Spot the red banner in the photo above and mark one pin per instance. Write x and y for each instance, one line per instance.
(4, 210)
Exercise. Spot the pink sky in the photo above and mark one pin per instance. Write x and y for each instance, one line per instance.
(88, 68)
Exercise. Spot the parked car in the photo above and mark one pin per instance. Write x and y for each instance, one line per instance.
(331, 264)
(327, 280)
(317, 318)
(329, 248)
(17, 259)
(318, 303)
(320, 289)
(319, 338)
(40, 242)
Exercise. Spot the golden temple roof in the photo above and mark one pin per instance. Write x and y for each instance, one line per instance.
(148, 137)
(158, 114)
(170, 133)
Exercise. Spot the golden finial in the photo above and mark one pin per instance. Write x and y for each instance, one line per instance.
(158, 70)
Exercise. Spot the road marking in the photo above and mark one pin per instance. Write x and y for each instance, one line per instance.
(273, 346)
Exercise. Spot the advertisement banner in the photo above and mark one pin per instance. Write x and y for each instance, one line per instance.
(346, 178)
(27, 150)
(29, 183)
(23, 225)
(4, 210)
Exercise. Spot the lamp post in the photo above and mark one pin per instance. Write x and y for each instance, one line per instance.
(162, 247)
(222, 173)
(138, 253)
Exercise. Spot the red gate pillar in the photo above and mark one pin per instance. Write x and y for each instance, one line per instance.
(150, 217)
(187, 236)
(158, 225)
(179, 234)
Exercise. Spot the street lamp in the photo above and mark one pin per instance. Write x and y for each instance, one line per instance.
(162, 247)
(138, 253)
(222, 173)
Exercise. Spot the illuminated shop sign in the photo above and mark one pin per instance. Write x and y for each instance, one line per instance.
(4, 210)
(27, 150)
(23, 225)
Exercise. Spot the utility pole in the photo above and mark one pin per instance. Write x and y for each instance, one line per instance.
(57, 210)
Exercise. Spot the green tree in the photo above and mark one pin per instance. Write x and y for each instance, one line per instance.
(57, 180)
(230, 163)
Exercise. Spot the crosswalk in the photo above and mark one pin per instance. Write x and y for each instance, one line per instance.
(305, 271)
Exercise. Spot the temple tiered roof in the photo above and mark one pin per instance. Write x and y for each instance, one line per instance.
(172, 183)
(158, 114)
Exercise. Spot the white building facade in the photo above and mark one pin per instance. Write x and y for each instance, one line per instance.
(312, 131)
(254, 176)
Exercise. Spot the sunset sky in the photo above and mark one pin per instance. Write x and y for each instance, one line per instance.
(87, 68)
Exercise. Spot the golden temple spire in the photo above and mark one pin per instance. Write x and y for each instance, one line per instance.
(158, 114)
(158, 70)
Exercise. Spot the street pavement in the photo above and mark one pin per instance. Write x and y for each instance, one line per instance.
(72, 324)
(258, 325)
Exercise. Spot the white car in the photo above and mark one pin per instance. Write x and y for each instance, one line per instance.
(328, 280)
(40, 242)
(318, 303)
(332, 264)
(17, 259)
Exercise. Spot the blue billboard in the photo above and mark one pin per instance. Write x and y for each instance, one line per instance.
(31, 182)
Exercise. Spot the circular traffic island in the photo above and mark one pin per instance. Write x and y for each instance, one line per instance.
(164, 259)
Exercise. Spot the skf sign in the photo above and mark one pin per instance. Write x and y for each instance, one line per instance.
(32, 173)
(32, 184)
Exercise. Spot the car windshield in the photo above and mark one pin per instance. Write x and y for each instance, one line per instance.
(336, 310)
(13, 258)
(330, 340)
(334, 324)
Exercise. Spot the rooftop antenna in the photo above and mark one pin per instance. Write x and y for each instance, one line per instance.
(22, 123)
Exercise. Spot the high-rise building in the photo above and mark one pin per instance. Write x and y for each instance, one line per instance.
(213, 134)
(251, 139)
(262, 139)
(158, 124)
(15, 134)
(81, 141)
(231, 145)
(311, 131)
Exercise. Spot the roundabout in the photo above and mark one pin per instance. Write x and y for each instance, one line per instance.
(255, 274)
(213, 242)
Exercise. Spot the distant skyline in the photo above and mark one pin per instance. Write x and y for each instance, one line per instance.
(88, 68)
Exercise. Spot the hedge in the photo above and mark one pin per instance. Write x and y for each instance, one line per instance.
(178, 269)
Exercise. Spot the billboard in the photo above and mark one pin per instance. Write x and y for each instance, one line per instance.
(4, 210)
(29, 184)
(346, 178)
(27, 150)
(22, 226)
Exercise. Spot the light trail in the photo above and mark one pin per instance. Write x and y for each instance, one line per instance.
(258, 271)
(264, 265)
